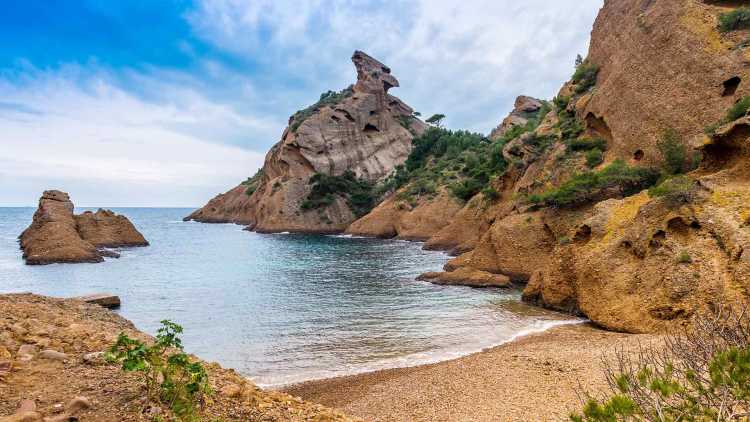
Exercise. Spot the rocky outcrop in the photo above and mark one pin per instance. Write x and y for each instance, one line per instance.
(398, 218)
(640, 263)
(466, 276)
(362, 129)
(52, 353)
(523, 109)
(56, 235)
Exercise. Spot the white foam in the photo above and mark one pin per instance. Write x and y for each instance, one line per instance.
(407, 361)
(282, 233)
(347, 236)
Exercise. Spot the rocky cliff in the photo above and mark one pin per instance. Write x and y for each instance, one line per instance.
(359, 134)
(575, 220)
(58, 235)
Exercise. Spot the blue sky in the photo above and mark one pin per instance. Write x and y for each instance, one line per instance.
(166, 103)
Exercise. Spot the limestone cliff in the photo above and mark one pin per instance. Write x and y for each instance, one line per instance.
(652, 260)
(57, 235)
(362, 130)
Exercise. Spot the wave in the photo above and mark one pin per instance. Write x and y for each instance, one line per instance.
(416, 359)
(347, 236)
(282, 233)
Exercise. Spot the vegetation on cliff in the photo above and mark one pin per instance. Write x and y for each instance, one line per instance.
(252, 183)
(585, 75)
(462, 161)
(736, 19)
(358, 193)
(326, 98)
(738, 110)
(617, 178)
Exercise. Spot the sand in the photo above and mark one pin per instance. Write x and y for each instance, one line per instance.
(535, 378)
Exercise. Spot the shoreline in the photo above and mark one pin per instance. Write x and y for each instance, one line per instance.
(534, 377)
(449, 356)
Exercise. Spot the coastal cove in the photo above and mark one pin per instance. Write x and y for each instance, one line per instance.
(284, 308)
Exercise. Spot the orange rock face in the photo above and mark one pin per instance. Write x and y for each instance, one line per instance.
(56, 235)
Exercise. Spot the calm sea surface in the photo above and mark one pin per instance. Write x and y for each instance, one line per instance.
(282, 308)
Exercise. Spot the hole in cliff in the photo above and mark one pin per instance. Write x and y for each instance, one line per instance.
(373, 112)
(599, 127)
(730, 86)
(583, 234)
(727, 149)
(370, 128)
(335, 119)
(346, 114)
(677, 226)
(387, 86)
(385, 69)
(695, 225)
(638, 155)
(657, 239)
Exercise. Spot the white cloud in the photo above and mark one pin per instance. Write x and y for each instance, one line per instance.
(107, 147)
(467, 59)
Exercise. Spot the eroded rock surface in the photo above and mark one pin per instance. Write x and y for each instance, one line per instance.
(56, 235)
(362, 129)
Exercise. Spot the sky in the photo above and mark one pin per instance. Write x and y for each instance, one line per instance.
(170, 102)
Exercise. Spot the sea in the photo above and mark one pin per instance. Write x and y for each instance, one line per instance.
(283, 308)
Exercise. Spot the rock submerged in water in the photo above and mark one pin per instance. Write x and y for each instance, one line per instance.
(56, 235)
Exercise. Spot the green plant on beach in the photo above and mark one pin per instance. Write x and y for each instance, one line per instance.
(699, 374)
(171, 378)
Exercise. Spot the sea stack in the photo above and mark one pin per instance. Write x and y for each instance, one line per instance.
(361, 132)
(56, 235)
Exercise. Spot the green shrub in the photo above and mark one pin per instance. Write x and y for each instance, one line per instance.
(736, 19)
(585, 76)
(253, 182)
(326, 99)
(699, 374)
(466, 189)
(594, 157)
(677, 188)
(169, 375)
(617, 177)
(673, 152)
(684, 258)
(490, 194)
(739, 109)
(586, 144)
(359, 194)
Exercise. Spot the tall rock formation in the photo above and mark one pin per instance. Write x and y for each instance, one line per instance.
(645, 262)
(56, 235)
(362, 129)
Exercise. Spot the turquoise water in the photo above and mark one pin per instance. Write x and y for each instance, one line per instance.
(282, 308)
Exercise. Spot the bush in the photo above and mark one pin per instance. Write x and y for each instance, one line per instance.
(465, 162)
(672, 151)
(594, 157)
(617, 177)
(359, 194)
(739, 109)
(490, 194)
(586, 144)
(699, 374)
(169, 375)
(678, 188)
(326, 99)
(585, 76)
(736, 19)
(684, 258)
(253, 182)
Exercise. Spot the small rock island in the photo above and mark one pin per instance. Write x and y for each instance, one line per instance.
(56, 235)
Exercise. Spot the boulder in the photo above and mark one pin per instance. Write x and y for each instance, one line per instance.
(523, 108)
(56, 235)
(466, 276)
